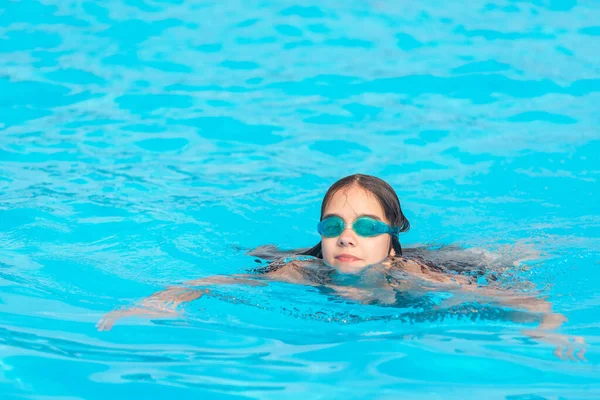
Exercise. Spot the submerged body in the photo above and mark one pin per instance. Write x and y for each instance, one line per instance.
(390, 283)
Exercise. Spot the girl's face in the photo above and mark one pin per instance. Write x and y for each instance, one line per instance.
(349, 252)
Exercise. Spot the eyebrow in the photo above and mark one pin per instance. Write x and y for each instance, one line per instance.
(357, 217)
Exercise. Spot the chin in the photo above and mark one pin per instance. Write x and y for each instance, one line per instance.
(348, 268)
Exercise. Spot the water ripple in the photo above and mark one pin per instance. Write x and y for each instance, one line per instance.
(146, 142)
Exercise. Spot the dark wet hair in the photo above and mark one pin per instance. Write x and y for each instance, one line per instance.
(386, 196)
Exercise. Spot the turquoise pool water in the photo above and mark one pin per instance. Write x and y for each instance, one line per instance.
(146, 142)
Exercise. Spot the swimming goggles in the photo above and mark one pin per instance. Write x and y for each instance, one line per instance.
(363, 226)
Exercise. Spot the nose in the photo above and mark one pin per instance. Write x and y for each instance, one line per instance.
(347, 238)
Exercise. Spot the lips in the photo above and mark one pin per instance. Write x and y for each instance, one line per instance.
(347, 258)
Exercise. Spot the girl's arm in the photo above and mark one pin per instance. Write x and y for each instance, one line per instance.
(566, 346)
(571, 347)
(164, 303)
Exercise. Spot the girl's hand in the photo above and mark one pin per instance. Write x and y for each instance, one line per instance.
(567, 347)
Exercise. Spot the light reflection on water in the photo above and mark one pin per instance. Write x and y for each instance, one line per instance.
(143, 143)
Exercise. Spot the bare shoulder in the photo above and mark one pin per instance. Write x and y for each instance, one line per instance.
(409, 265)
(406, 264)
(425, 271)
(291, 271)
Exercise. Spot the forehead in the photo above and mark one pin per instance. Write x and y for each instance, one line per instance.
(352, 201)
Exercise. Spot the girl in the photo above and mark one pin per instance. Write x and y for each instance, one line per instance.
(360, 257)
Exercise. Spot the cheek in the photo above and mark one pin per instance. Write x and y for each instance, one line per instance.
(378, 246)
(327, 247)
